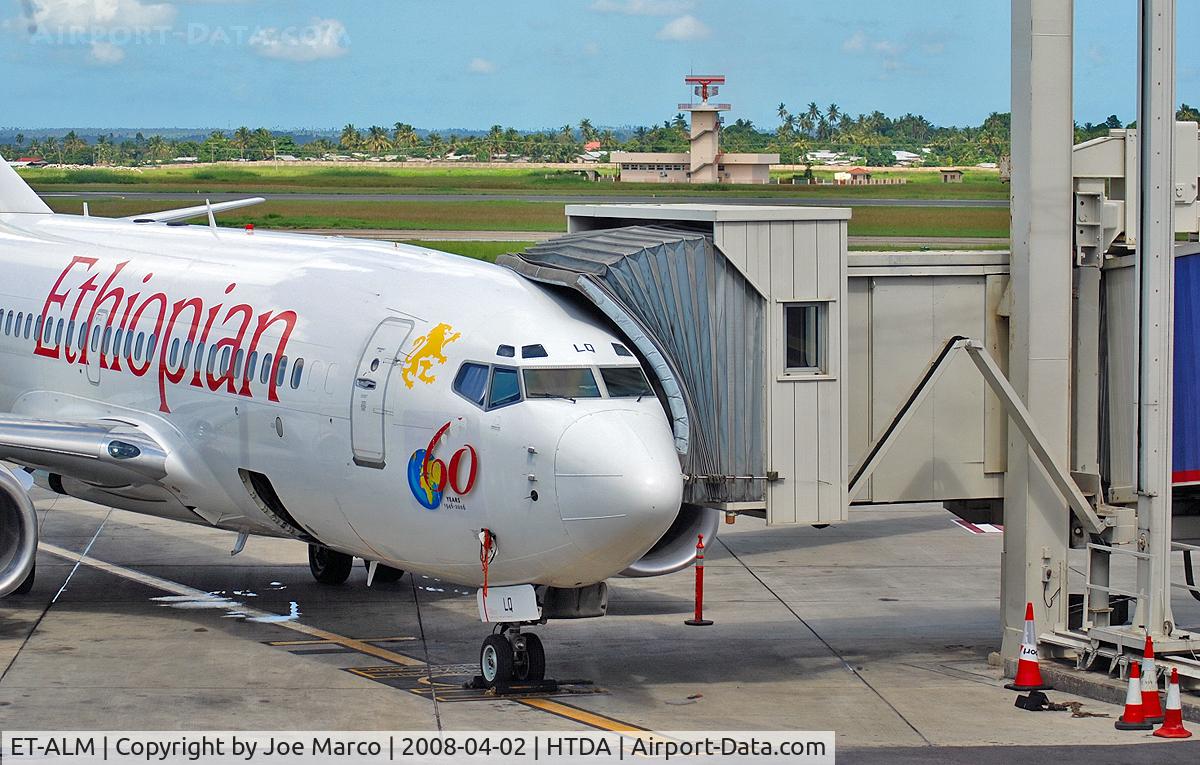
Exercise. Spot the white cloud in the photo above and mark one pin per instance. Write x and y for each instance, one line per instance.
(320, 39)
(889, 47)
(643, 7)
(684, 29)
(855, 42)
(106, 54)
(50, 16)
(481, 66)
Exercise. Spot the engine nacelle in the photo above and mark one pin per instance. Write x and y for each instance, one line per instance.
(677, 548)
(18, 532)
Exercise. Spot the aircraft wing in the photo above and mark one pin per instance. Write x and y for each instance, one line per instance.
(103, 452)
(184, 213)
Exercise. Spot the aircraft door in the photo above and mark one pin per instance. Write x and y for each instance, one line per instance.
(95, 343)
(376, 370)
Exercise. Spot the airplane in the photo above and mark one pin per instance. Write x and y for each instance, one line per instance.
(419, 410)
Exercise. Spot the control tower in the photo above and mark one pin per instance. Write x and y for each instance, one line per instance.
(705, 137)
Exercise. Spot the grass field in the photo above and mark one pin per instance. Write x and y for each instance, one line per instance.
(374, 178)
(503, 215)
(488, 251)
(491, 215)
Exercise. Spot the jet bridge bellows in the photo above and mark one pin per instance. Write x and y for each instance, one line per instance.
(736, 312)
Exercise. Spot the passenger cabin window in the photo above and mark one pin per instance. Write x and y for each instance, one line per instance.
(804, 333)
(471, 382)
(626, 382)
(561, 383)
(505, 388)
(621, 350)
(506, 351)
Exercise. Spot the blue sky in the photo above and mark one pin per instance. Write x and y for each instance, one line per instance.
(533, 63)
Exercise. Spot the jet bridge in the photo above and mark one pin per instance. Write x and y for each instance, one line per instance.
(739, 313)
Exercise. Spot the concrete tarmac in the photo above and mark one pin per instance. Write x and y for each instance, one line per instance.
(878, 629)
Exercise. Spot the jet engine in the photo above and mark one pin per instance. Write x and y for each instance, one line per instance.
(677, 548)
(18, 533)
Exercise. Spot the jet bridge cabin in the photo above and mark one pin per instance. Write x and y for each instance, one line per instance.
(739, 313)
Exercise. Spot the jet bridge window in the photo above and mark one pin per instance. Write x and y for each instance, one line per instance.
(626, 382)
(804, 337)
(561, 383)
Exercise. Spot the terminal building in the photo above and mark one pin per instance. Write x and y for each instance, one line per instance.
(704, 162)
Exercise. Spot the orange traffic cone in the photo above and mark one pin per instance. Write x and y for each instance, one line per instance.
(1172, 726)
(1151, 704)
(1029, 672)
(1134, 717)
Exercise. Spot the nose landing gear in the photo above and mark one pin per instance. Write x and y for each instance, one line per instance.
(511, 656)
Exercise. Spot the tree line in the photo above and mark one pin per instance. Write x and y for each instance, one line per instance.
(872, 137)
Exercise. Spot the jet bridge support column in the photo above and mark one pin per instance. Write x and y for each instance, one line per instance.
(1155, 268)
(1037, 522)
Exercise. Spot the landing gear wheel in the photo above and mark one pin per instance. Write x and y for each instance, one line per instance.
(530, 664)
(329, 566)
(384, 574)
(496, 660)
(24, 587)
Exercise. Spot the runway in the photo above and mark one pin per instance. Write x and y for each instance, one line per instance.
(878, 629)
(648, 198)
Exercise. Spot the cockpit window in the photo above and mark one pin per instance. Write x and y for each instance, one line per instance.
(505, 388)
(471, 382)
(561, 383)
(626, 382)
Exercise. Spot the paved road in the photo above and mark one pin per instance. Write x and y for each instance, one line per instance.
(428, 235)
(808, 201)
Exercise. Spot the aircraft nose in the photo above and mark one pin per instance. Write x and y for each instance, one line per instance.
(619, 485)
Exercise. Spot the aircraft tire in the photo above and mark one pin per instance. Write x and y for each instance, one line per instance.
(329, 566)
(532, 667)
(496, 660)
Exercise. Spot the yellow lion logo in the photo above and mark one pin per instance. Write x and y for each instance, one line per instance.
(427, 352)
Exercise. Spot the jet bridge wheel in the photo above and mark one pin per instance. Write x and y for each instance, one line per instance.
(329, 566)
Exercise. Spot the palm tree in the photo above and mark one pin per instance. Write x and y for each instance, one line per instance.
(351, 139)
(782, 111)
(403, 134)
(377, 140)
(241, 139)
(814, 114)
(157, 148)
(679, 122)
(587, 130)
(833, 114)
(435, 145)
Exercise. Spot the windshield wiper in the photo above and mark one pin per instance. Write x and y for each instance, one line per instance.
(552, 395)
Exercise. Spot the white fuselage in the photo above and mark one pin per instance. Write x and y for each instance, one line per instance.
(329, 367)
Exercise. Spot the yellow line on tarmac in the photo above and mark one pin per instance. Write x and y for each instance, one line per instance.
(298, 643)
(582, 716)
(325, 636)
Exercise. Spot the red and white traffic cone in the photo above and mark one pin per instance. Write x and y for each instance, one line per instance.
(1134, 717)
(1151, 703)
(1029, 672)
(1172, 726)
